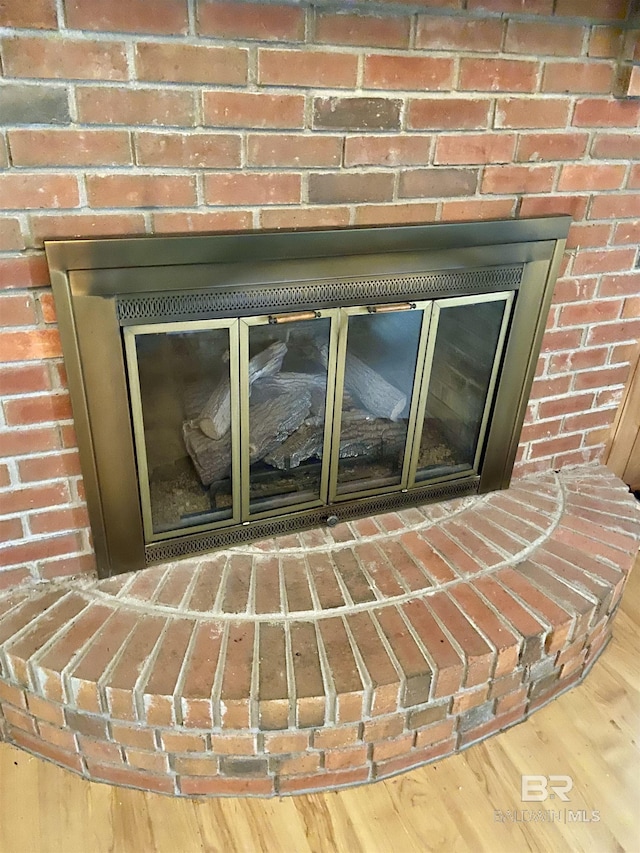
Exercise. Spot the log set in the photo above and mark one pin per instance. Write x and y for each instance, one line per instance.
(215, 417)
(287, 415)
(371, 390)
(361, 435)
(276, 409)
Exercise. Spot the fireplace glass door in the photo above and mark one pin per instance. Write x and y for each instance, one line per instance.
(237, 420)
(286, 391)
(380, 349)
(466, 340)
(182, 379)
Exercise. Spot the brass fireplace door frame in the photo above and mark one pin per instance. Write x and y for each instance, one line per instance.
(102, 286)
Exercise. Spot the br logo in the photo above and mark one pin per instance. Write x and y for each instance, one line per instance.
(536, 789)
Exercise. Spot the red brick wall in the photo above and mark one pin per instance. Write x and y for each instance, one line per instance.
(184, 115)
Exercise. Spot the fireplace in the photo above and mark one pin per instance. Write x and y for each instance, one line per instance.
(230, 387)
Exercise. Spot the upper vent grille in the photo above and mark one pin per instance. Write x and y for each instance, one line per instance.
(253, 299)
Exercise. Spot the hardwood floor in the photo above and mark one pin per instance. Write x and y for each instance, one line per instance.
(590, 734)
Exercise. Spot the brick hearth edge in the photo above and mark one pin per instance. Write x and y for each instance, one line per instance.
(325, 659)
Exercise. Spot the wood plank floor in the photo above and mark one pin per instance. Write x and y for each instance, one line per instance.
(591, 734)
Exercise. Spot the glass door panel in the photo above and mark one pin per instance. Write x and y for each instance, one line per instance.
(287, 398)
(380, 348)
(184, 420)
(465, 346)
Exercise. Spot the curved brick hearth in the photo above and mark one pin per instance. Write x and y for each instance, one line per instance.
(323, 659)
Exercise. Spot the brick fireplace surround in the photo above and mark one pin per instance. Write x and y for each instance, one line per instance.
(328, 658)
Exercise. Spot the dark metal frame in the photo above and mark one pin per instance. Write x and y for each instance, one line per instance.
(100, 286)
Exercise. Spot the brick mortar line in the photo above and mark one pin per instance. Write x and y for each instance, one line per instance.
(129, 581)
(281, 171)
(414, 20)
(250, 608)
(393, 657)
(484, 538)
(164, 579)
(578, 589)
(5, 648)
(55, 453)
(539, 616)
(253, 67)
(310, 132)
(344, 590)
(134, 169)
(558, 499)
(426, 653)
(236, 44)
(315, 598)
(459, 645)
(191, 585)
(517, 635)
(422, 569)
(393, 571)
(328, 680)
(368, 685)
(309, 23)
(302, 205)
(224, 576)
(218, 707)
(253, 699)
(282, 590)
(192, 19)
(403, 9)
(60, 14)
(35, 668)
(634, 513)
(318, 89)
(290, 675)
(34, 540)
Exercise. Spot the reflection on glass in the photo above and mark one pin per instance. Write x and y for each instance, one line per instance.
(378, 382)
(186, 413)
(288, 392)
(465, 350)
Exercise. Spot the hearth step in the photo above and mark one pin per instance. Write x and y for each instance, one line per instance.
(327, 658)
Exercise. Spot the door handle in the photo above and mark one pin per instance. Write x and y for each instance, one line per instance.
(387, 309)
